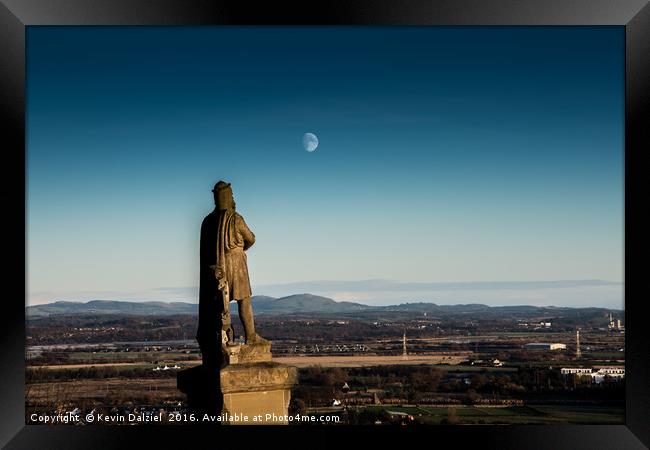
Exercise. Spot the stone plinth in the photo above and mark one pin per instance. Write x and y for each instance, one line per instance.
(249, 384)
(260, 389)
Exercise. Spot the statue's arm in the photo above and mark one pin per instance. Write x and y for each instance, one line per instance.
(246, 233)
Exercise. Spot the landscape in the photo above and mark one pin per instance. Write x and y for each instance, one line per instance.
(412, 363)
(434, 216)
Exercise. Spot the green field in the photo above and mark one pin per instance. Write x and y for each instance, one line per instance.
(538, 414)
(605, 355)
(476, 369)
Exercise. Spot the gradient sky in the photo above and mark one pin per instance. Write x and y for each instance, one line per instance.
(447, 154)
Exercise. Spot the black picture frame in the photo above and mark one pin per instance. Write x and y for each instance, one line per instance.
(16, 15)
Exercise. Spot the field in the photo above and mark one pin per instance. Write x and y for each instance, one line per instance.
(458, 374)
(139, 360)
(368, 361)
(529, 414)
(106, 391)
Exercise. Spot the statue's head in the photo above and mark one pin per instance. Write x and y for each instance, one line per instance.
(223, 198)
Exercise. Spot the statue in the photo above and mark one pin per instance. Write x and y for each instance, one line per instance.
(241, 380)
(225, 238)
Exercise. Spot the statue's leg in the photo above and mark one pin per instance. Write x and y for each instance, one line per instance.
(246, 315)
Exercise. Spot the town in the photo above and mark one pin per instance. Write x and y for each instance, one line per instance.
(375, 369)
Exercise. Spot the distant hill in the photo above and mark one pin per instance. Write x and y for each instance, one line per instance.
(486, 311)
(471, 308)
(111, 307)
(305, 303)
(300, 304)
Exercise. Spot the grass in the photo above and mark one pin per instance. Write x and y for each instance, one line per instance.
(584, 414)
(476, 369)
(606, 355)
(542, 414)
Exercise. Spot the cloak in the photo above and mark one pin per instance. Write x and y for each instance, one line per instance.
(224, 239)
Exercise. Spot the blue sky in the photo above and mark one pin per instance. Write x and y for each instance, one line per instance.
(446, 155)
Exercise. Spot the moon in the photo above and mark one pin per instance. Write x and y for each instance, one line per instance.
(309, 142)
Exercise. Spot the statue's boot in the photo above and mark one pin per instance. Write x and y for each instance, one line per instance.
(256, 339)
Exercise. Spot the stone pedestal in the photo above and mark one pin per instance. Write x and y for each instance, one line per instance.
(261, 389)
(248, 389)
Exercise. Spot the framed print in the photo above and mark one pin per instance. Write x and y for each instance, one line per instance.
(341, 220)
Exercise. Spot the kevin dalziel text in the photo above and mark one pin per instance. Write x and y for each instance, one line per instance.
(143, 417)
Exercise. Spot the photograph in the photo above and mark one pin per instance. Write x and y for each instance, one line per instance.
(337, 225)
(323, 223)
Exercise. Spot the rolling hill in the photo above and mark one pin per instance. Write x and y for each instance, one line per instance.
(300, 303)
(304, 304)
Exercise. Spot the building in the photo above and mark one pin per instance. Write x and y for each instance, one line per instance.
(612, 371)
(575, 371)
(545, 346)
(597, 374)
(615, 325)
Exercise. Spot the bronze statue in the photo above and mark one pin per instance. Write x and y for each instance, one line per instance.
(225, 237)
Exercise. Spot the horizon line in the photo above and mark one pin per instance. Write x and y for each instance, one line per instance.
(82, 302)
(375, 292)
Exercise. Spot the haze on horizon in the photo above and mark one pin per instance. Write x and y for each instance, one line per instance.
(583, 293)
(446, 155)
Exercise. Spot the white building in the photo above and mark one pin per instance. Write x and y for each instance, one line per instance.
(597, 374)
(612, 371)
(615, 373)
(545, 346)
(576, 370)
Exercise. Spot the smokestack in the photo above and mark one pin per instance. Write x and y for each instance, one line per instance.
(578, 352)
